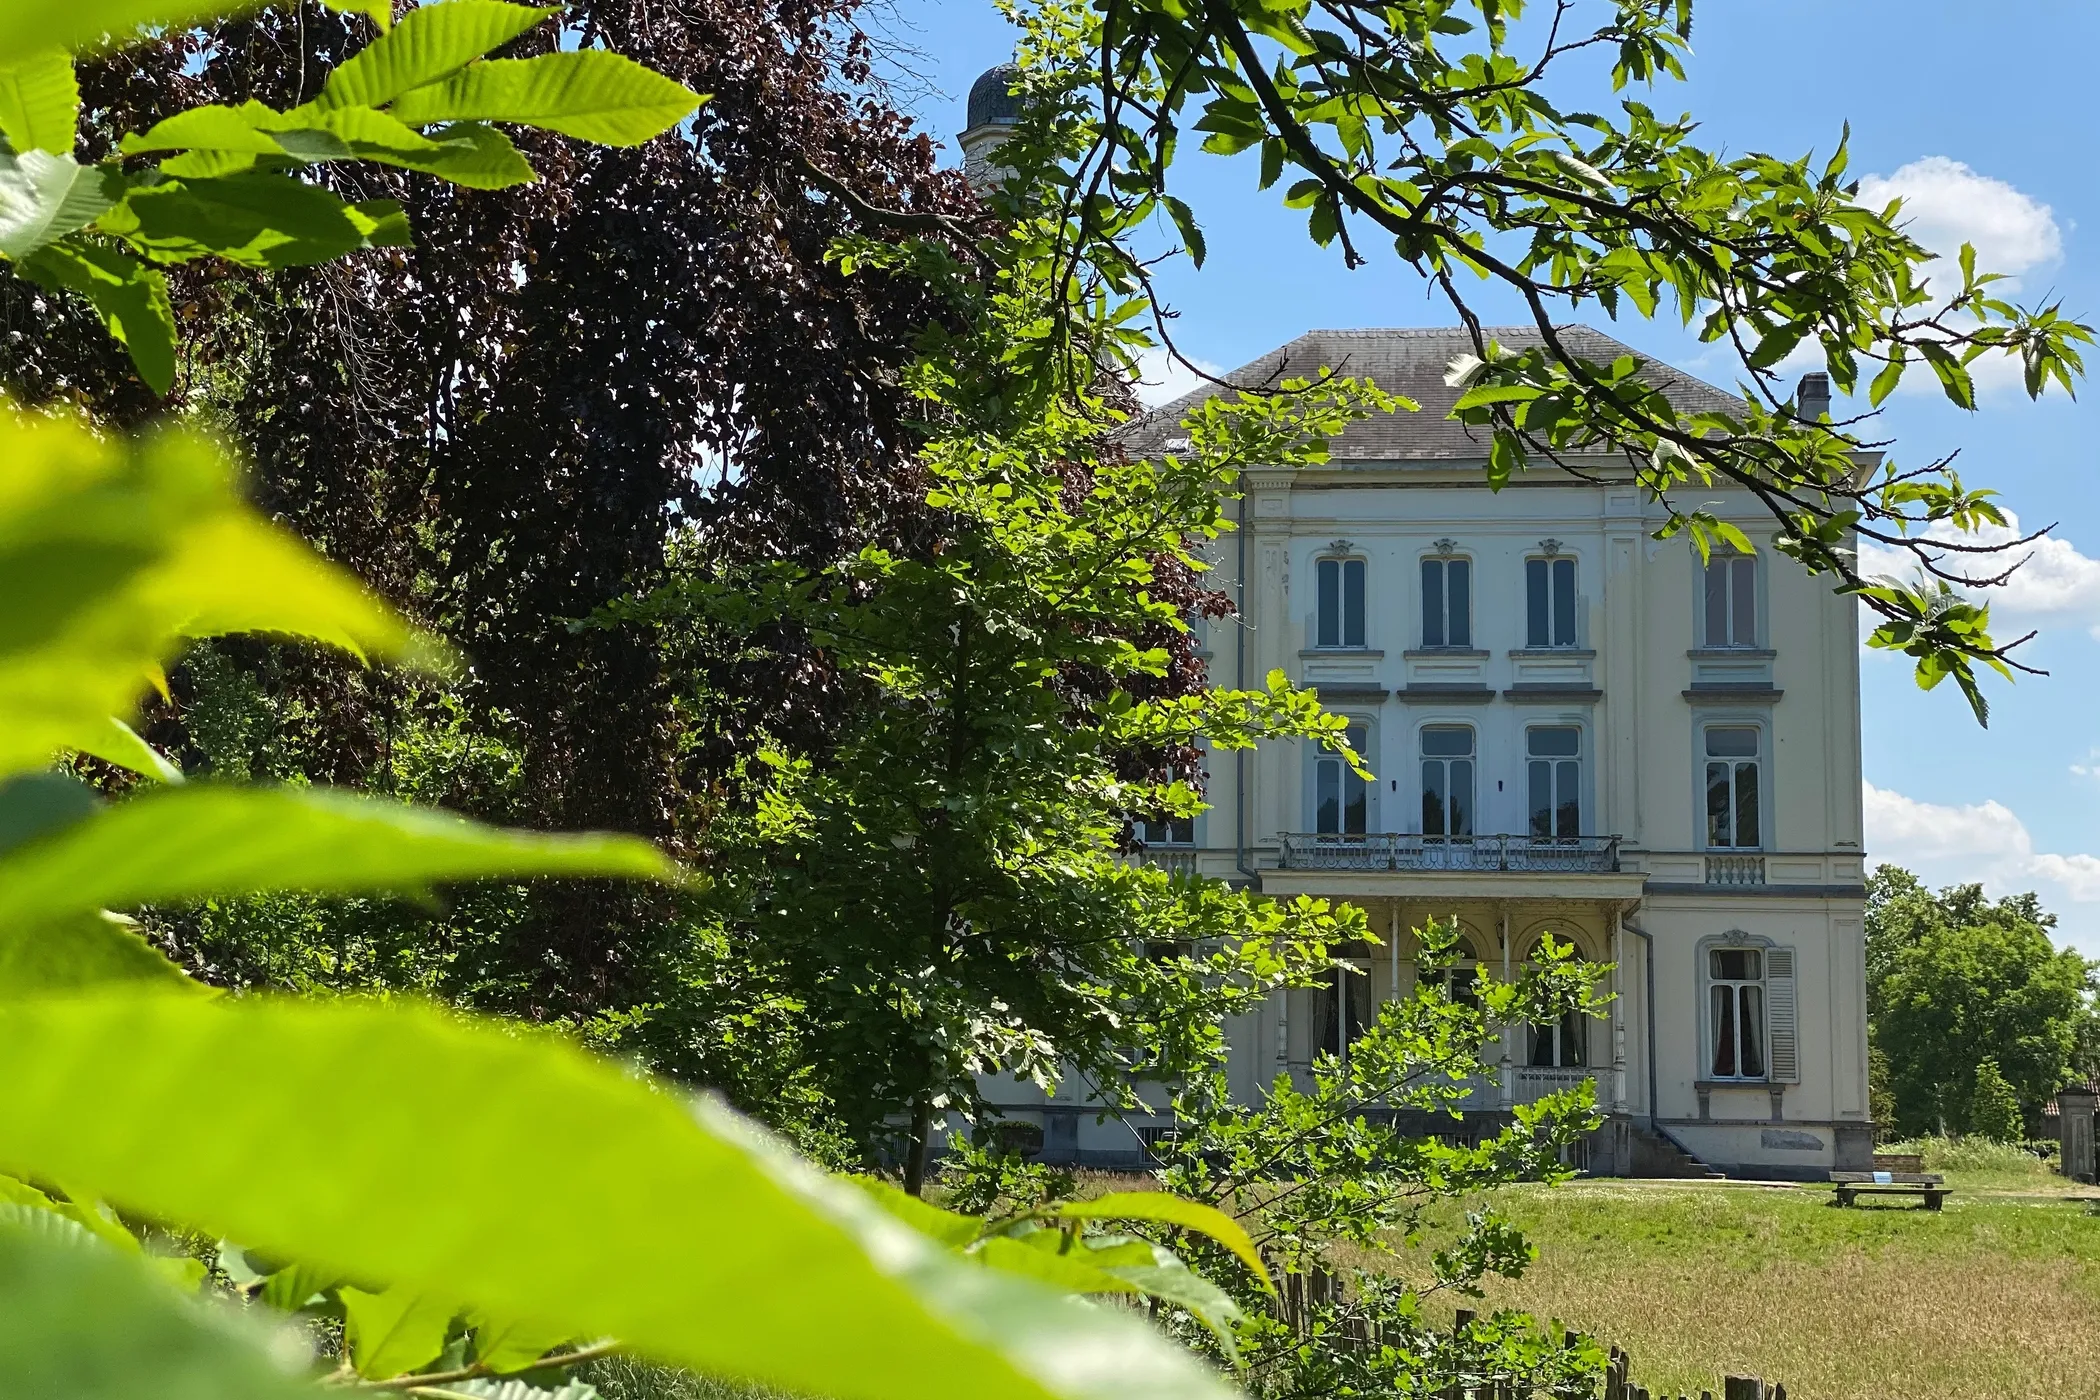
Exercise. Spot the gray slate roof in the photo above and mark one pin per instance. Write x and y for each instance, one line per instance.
(1411, 362)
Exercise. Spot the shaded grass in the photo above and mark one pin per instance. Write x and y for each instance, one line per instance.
(1989, 1298)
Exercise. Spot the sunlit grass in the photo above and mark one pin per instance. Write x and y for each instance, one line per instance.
(1993, 1297)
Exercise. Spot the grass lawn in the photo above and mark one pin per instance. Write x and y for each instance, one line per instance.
(1997, 1296)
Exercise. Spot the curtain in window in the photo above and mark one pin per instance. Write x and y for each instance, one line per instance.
(1736, 1012)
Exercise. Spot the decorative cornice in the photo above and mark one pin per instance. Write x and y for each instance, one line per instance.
(1445, 547)
(1549, 548)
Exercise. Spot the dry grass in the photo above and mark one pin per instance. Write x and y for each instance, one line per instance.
(1995, 1297)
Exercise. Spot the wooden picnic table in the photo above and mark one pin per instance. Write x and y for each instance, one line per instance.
(1929, 1185)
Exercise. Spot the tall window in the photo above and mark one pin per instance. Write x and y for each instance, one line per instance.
(1561, 1044)
(1556, 780)
(1342, 1008)
(1549, 588)
(1341, 587)
(1447, 603)
(1447, 780)
(1736, 1009)
(1164, 830)
(1731, 600)
(1341, 799)
(1733, 816)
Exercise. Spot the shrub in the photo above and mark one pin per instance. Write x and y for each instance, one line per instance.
(1994, 1109)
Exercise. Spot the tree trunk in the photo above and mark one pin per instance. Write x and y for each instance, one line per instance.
(921, 1145)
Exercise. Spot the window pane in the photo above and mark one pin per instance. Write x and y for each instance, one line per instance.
(1541, 1046)
(1564, 602)
(1432, 603)
(1461, 797)
(1742, 587)
(1724, 1032)
(1447, 741)
(1353, 603)
(1433, 798)
(1327, 796)
(1735, 964)
(1717, 805)
(1753, 1023)
(1716, 602)
(1556, 742)
(1567, 776)
(1538, 606)
(1182, 831)
(1541, 798)
(1731, 743)
(1356, 805)
(1328, 574)
(1574, 1035)
(1746, 815)
(1459, 580)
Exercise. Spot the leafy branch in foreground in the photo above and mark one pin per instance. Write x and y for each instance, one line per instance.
(224, 182)
(1425, 124)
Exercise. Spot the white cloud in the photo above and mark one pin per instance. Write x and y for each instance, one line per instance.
(1947, 204)
(2057, 585)
(1163, 379)
(1984, 843)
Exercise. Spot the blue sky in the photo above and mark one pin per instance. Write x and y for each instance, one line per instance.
(1982, 127)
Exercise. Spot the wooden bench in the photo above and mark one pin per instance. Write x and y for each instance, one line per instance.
(1852, 1185)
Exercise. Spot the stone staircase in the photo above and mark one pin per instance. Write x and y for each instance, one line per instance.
(1657, 1156)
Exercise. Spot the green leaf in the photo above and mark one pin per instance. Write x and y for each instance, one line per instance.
(258, 218)
(116, 742)
(513, 1172)
(380, 12)
(77, 951)
(1168, 1209)
(431, 43)
(930, 1220)
(130, 297)
(1071, 1272)
(91, 1323)
(199, 840)
(44, 197)
(213, 126)
(30, 25)
(36, 805)
(467, 153)
(1182, 1286)
(112, 552)
(40, 102)
(589, 94)
(292, 1287)
(392, 1333)
(506, 1346)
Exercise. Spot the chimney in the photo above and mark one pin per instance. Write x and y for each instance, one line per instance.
(1812, 397)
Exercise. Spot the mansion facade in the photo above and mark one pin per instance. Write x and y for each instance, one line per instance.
(1577, 730)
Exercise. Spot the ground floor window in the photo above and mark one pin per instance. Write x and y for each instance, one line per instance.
(1561, 1044)
(1736, 1012)
(1342, 1007)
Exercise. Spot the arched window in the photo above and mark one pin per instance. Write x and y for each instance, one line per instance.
(1342, 1004)
(1457, 981)
(1561, 1044)
(1447, 780)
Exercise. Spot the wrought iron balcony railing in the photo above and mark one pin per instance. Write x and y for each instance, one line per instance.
(1385, 850)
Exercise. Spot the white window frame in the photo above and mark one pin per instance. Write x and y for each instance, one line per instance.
(1710, 983)
(1740, 581)
(1759, 761)
(1338, 567)
(1557, 766)
(1562, 579)
(1471, 758)
(1164, 832)
(1443, 640)
(1325, 764)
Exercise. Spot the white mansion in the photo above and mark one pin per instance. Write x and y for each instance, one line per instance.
(1577, 730)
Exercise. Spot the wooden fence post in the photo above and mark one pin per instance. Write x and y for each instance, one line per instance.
(1742, 1388)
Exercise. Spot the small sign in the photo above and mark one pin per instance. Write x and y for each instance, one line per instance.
(1884, 1178)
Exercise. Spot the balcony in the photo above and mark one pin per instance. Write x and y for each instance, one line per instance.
(1380, 851)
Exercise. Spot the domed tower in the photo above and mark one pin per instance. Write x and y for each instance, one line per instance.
(994, 112)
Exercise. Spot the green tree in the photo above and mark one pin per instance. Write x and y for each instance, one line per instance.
(1955, 980)
(1994, 1109)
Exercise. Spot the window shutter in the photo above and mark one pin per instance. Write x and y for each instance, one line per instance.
(1783, 1025)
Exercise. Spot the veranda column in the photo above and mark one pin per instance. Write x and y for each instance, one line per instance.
(1618, 1010)
(1509, 1073)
